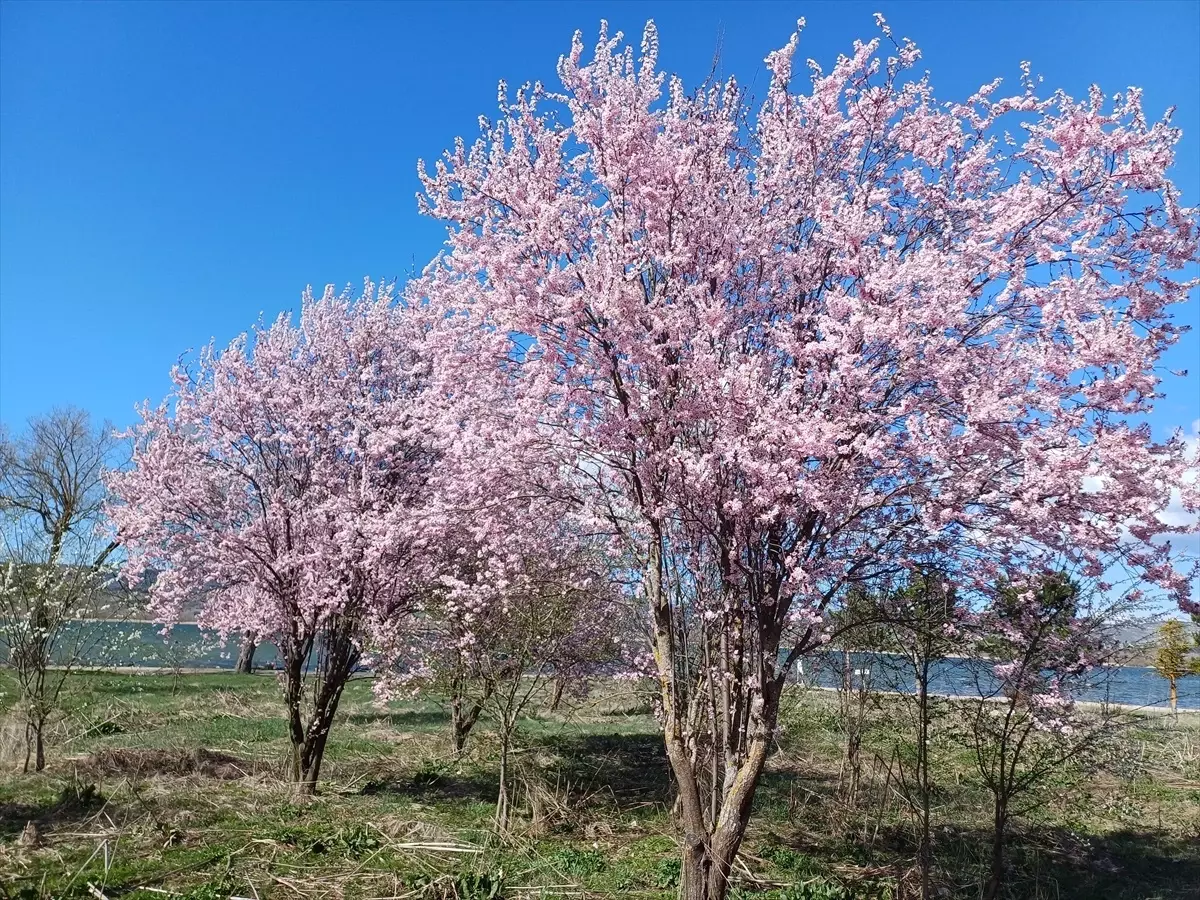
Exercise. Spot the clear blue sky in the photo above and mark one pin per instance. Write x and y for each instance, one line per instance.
(170, 170)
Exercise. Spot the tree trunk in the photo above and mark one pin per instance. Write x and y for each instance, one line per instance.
(708, 858)
(924, 848)
(306, 775)
(502, 799)
(710, 842)
(308, 741)
(304, 780)
(245, 660)
(39, 749)
(735, 816)
(850, 715)
(1174, 699)
(28, 747)
(996, 877)
(464, 713)
(462, 720)
(556, 698)
(308, 754)
(693, 876)
(690, 815)
(31, 663)
(35, 744)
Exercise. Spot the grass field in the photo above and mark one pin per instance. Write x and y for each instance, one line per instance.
(162, 786)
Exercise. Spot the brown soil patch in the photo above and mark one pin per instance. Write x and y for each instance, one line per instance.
(146, 763)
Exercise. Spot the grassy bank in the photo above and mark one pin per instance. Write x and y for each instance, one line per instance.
(162, 786)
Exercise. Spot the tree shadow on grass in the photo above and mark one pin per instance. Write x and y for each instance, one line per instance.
(410, 719)
(780, 791)
(1040, 863)
(1121, 865)
(631, 769)
(431, 786)
(74, 804)
(164, 685)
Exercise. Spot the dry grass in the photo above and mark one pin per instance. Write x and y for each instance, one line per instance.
(147, 763)
(133, 807)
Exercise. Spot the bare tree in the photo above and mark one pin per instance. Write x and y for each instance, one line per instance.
(857, 627)
(54, 581)
(551, 631)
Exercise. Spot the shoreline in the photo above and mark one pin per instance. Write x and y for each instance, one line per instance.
(1091, 704)
(121, 620)
(827, 650)
(153, 670)
(217, 670)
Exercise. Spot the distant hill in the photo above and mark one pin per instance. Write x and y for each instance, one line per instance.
(1141, 638)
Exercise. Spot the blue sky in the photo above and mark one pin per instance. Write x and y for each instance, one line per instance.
(170, 171)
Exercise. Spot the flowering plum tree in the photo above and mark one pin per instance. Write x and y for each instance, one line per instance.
(278, 486)
(776, 352)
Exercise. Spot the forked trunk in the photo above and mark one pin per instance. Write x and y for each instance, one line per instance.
(465, 712)
(306, 766)
(560, 685)
(308, 740)
(461, 723)
(711, 817)
(708, 858)
(309, 751)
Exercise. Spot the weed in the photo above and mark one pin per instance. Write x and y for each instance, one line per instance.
(578, 862)
(790, 861)
(465, 886)
(210, 890)
(668, 872)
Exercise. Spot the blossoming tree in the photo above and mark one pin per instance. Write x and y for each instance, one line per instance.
(773, 352)
(278, 487)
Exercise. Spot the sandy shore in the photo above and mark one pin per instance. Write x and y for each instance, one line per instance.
(158, 670)
(1087, 704)
(125, 620)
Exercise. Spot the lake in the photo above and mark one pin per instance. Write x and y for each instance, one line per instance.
(141, 644)
(1128, 685)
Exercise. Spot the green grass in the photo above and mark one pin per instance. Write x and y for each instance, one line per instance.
(399, 816)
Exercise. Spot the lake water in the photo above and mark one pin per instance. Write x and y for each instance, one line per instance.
(1129, 685)
(142, 644)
